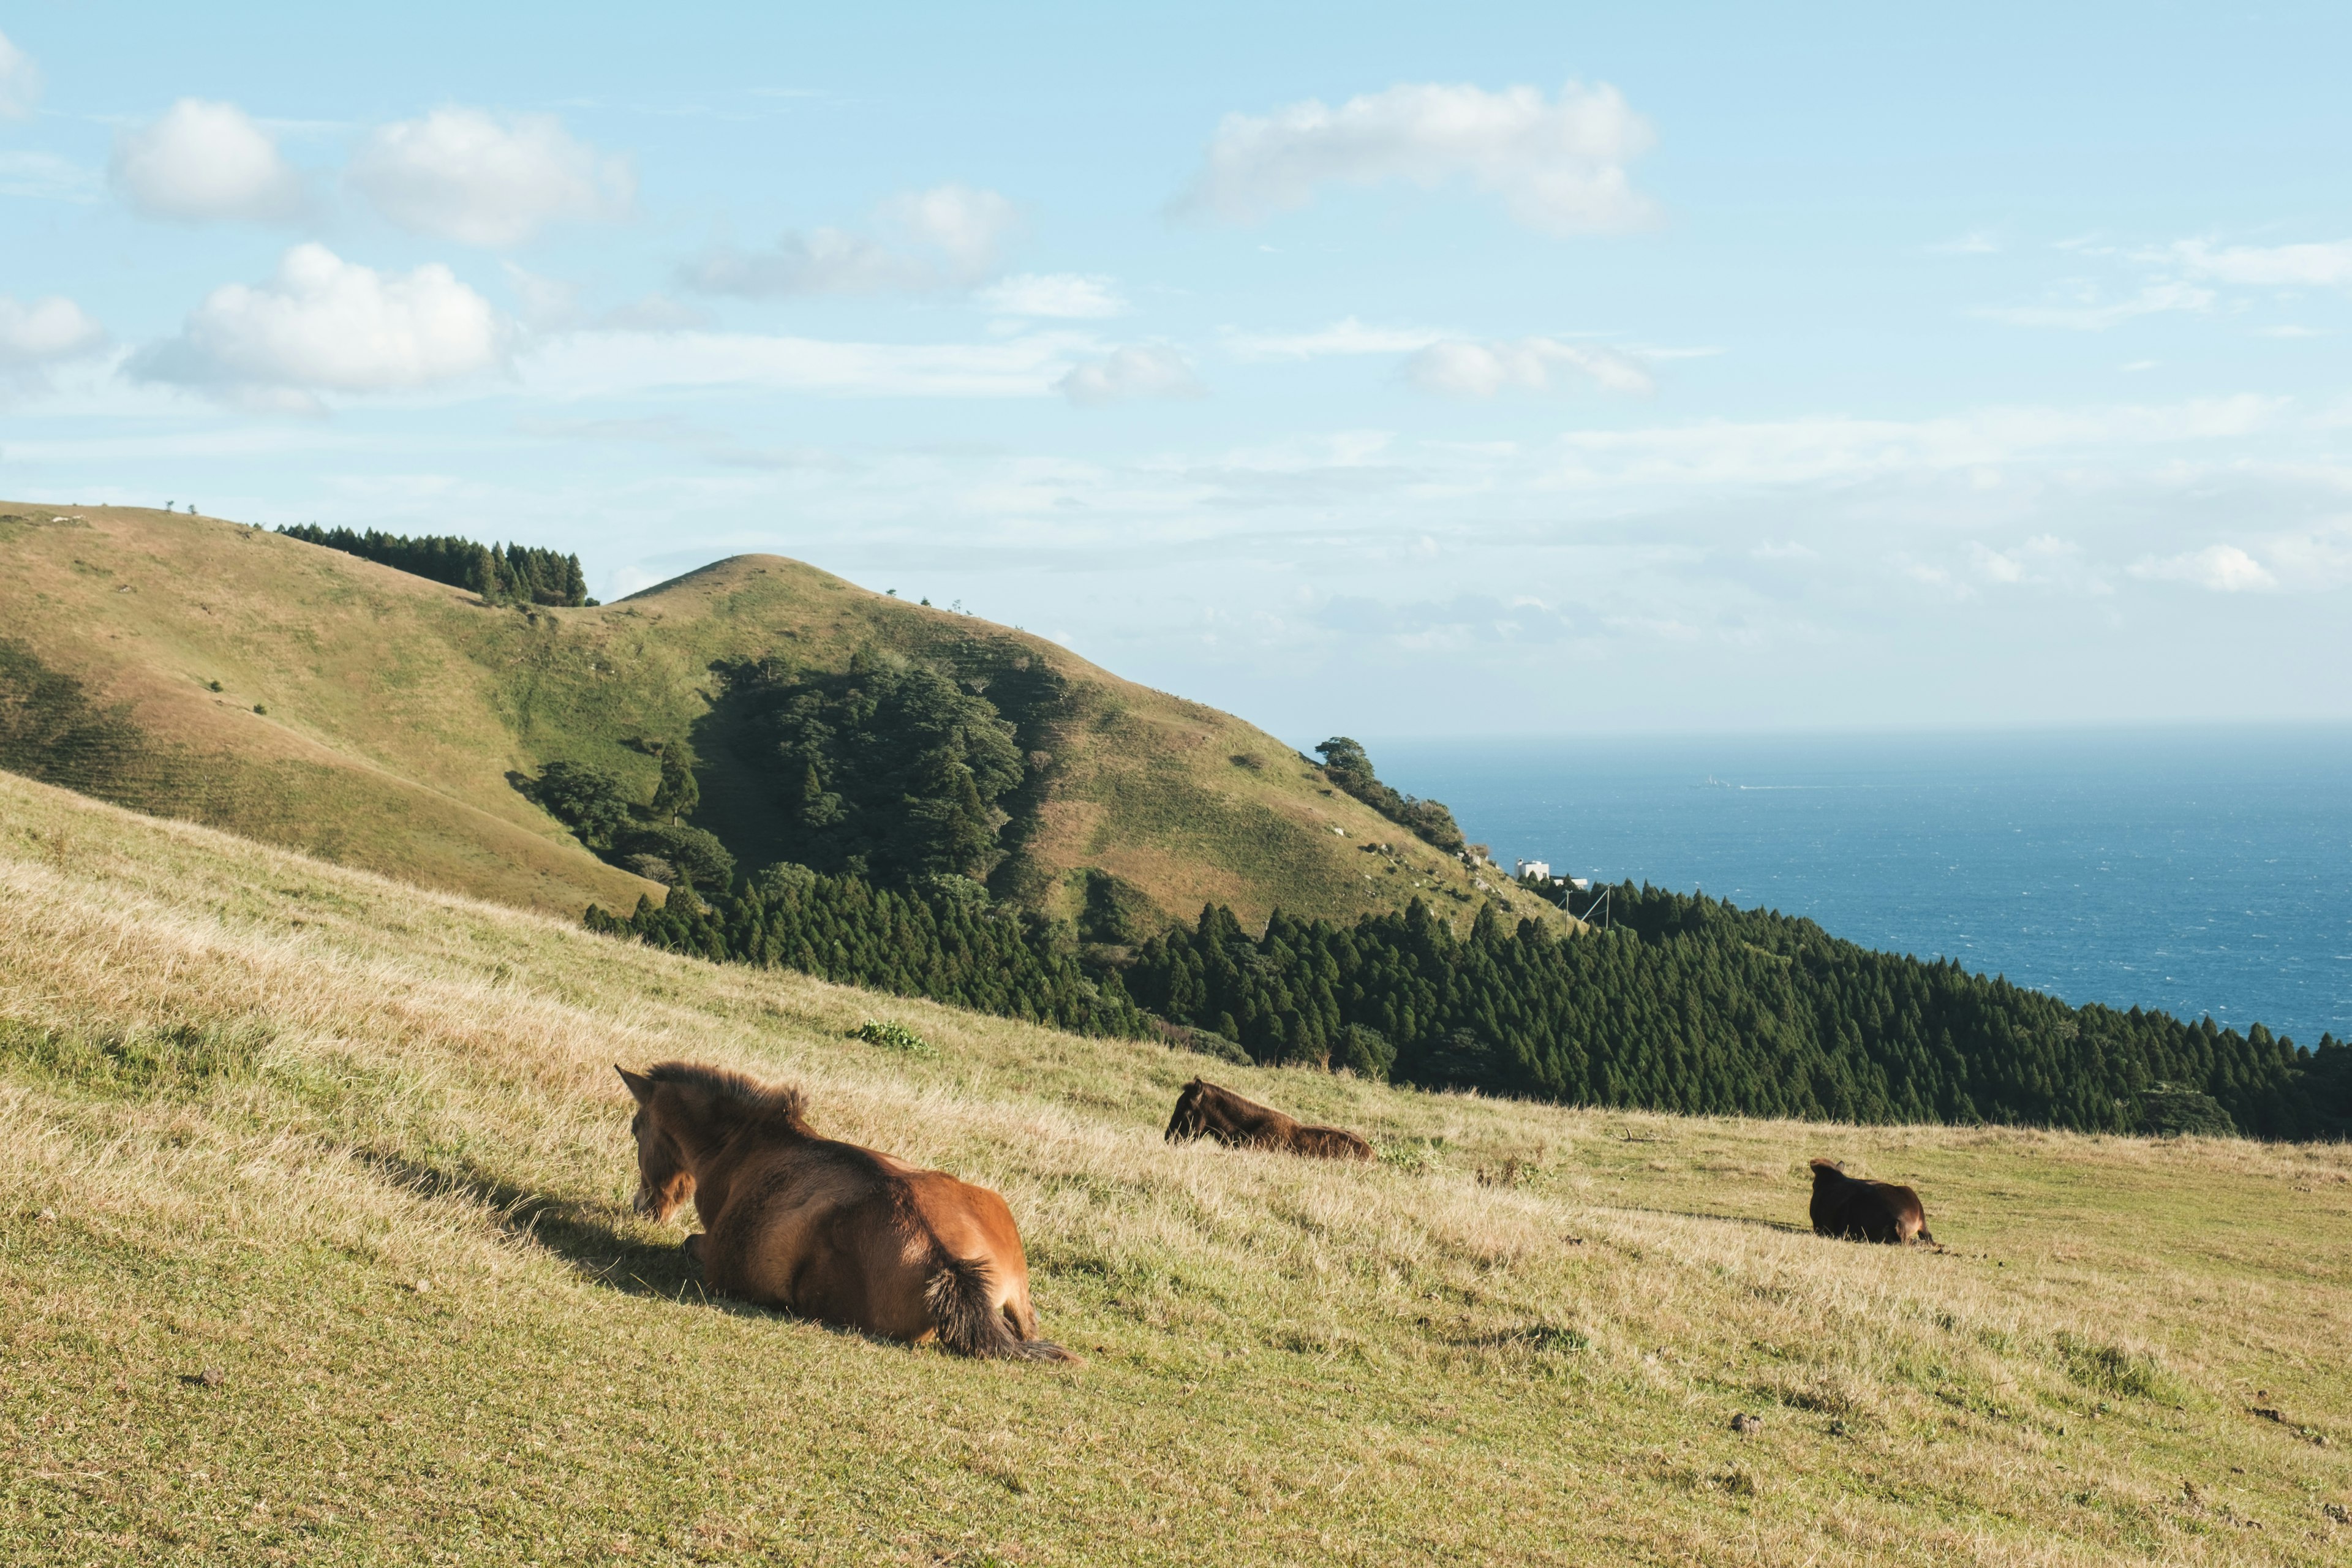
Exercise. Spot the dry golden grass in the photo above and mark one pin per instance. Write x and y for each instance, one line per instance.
(315, 1247)
(399, 710)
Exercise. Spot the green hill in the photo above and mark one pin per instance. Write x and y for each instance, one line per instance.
(192, 668)
(316, 1247)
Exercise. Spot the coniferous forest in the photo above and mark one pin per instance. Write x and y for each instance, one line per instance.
(936, 943)
(504, 574)
(1687, 1005)
(889, 776)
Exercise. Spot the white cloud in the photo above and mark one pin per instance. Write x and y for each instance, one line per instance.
(967, 227)
(2315, 561)
(45, 332)
(949, 236)
(2045, 559)
(827, 261)
(205, 163)
(1061, 296)
(2327, 265)
(489, 180)
(2224, 568)
(324, 324)
(1995, 567)
(1460, 368)
(1128, 374)
(1835, 449)
(47, 176)
(549, 304)
(653, 313)
(614, 363)
(1346, 336)
(2090, 313)
(1559, 166)
(20, 82)
(1976, 242)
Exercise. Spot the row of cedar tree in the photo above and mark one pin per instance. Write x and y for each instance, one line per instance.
(501, 574)
(1687, 1005)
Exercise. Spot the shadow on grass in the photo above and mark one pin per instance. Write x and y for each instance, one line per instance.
(579, 1233)
(1779, 1224)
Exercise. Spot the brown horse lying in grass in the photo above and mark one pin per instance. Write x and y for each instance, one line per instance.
(1203, 1110)
(1872, 1211)
(826, 1229)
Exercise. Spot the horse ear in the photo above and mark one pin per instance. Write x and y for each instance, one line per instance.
(639, 1084)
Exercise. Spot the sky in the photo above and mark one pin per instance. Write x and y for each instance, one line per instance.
(1398, 371)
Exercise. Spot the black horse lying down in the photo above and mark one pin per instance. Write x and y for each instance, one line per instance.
(1867, 1211)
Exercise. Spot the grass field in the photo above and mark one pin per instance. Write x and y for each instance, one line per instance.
(315, 1247)
(306, 698)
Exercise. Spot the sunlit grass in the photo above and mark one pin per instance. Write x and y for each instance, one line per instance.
(316, 1247)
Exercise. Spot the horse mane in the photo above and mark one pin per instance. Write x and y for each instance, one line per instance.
(1227, 1097)
(1831, 1167)
(780, 1106)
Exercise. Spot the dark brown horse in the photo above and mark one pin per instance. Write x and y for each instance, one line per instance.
(1203, 1110)
(1849, 1206)
(826, 1229)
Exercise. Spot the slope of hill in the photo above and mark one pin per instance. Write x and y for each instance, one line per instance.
(197, 669)
(317, 1247)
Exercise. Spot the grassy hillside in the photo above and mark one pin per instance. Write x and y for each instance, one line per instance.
(379, 719)
(316, 1247)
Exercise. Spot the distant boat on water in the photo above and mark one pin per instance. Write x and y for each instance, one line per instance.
(1713, 782)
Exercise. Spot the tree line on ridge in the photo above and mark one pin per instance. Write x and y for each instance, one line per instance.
(501, 574)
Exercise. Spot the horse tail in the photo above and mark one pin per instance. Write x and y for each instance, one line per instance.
(967, 1321)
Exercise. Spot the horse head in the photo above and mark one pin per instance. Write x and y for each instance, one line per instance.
(1188, 1121)
(664, 1179)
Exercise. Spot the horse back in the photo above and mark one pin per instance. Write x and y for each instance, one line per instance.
(1906, 1214)
(1208, 1109)
(1329, 1143)
(1847, 1206)
(968, 1221)
(798, 1229)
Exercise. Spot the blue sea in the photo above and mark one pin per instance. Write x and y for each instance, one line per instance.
(2197, 871)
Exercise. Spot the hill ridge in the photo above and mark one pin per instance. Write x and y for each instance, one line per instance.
(403, 712)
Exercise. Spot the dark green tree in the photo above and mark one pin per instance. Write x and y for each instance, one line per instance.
(888, 768)
(589, 801)
(677, 794)
(1346, 766)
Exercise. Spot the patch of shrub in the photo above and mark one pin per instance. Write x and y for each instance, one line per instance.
(894, 1036)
